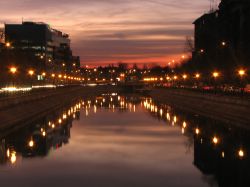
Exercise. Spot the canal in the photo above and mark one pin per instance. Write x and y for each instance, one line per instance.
(124, 141)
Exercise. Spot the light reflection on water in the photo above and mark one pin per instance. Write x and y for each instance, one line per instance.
(125, 141)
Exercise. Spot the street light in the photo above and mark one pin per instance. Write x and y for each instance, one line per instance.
(13, 70)
(241, 153)
(31, 72)
(197, 75)
(184, 76)
(215, 140)
(8, 44)
(216, 74)
(242, 73)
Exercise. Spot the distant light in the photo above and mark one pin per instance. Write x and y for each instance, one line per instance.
(241, 153)
(44, 133)
(242, 72)
(197, 76)
(184, 76)
(223, 154)
(14, 89)
(184, 124)
(31, 143)
(13, 158)
(197, 131)
(223, 43)
(215, 140)
(31, 72)
(13, 70)
(215, 74)
(44, 74)
(7, 44)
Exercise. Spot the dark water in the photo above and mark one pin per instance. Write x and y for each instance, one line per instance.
(124, 141)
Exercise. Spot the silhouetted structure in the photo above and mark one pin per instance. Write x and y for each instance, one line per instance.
(49, 48)
(222, 37)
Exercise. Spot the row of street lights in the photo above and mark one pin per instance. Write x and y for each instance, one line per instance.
(13, 70)
(242, 73)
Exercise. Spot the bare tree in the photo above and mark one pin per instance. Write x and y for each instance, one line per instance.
(189, 45)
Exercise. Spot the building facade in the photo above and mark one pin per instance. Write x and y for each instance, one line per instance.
(48, 49)
(222, 38)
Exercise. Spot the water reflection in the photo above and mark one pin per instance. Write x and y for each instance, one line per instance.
(220, 150)
(39, 138)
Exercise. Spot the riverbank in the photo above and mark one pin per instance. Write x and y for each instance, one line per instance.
(22, 111)
(227, 109)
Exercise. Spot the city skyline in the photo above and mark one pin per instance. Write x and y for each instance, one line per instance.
(115, 31)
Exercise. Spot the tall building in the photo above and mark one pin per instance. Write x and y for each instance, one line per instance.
(222, 37)
(48, 48)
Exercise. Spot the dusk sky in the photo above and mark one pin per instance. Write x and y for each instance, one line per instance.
(110, 31)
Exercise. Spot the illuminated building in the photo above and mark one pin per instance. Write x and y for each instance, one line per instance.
(50, 47)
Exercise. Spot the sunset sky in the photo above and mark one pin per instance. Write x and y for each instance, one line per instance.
(110, 31)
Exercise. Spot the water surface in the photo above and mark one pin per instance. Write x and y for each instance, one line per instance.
(124, 141)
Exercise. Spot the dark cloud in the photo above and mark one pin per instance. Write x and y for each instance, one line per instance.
(114, 30)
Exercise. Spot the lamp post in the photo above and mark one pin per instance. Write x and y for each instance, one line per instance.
(215, 75)
(13, 71)
(53, 76)
(197, 76)
(242, 74)
(31, 73)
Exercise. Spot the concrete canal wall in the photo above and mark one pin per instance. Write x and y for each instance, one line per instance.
(19, 111)
(228, 109)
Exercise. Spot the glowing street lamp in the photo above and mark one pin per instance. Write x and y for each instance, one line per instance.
(184, 76)
(31, 72)
(44, 74)
(8, 44)
(197, 131)
(242, 73)
(197, 75)
(216, 74)
(215, 140)
(241, 153)
(31, 143)
(13, 70)
(223, 43)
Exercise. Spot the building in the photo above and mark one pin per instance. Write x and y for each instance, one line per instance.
(48, 49)
(207, 38)
(222, 37)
